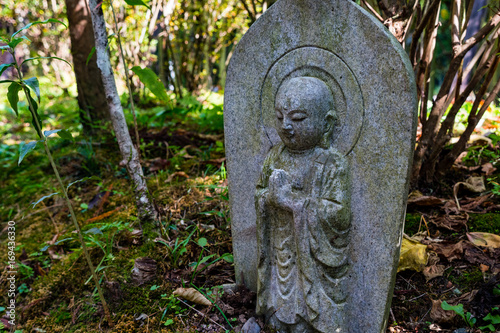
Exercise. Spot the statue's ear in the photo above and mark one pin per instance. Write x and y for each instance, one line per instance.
(330, 120)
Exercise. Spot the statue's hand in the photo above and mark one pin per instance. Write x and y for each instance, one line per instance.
(280, 187)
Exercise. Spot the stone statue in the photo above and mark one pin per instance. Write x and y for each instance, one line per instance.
(303, 215)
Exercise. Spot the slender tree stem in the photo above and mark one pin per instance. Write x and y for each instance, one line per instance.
(127, 78)
(64, 192)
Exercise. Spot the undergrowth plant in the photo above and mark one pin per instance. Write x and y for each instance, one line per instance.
(29, 87)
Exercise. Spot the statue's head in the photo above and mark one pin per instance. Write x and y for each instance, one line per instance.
(305, 114)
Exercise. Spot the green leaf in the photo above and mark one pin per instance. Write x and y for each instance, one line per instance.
(13, 96)
(152, 82)
(15, 42)
(37, 22)
(458, 309)
(43, 198)
(65, 134)
(202, 242)
(494, 319)
(35, 58)
(3, 67)
(168, 322)
(490, 327)
(154, 287)
(90, 56)
(93, 231)
(33, 84)
(205, 259)
(136, 3)
(228, 257)
(49, 133)
(25, 149)
(62, 240)
(35, 114)
(82, 180)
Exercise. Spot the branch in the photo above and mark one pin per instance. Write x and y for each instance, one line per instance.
(373, 11)
(480, 35)
(252, 16)
(420, 28)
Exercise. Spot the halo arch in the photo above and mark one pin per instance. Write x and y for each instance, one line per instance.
(324, 65)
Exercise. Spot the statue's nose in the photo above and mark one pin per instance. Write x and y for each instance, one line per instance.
(287, 126)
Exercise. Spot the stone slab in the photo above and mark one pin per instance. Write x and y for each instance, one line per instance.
(340, 42)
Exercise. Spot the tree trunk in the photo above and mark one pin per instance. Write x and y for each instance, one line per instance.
(94, 111)
(129, 153)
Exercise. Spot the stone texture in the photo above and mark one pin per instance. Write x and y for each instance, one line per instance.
(251, 326)
(374, 95)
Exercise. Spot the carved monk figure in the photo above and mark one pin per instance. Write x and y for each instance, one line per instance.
(303, 216)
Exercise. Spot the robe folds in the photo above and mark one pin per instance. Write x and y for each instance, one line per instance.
(303, 240)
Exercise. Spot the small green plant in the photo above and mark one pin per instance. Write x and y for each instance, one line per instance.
(469, 319)
(493, 319)
(178, 249)
(29, 87)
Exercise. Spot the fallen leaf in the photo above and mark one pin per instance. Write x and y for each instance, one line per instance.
(475, 203)
(425, 201)
(449, 251)
(484, 268)
(488, 169)
(433, 270)
(413, 255)
(440, 315)
(176, 174)
(484, 239)
(451, 222)
(473, 184)
(192, 295)
(103, 216)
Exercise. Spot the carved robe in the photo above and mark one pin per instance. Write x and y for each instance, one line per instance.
(302, 248)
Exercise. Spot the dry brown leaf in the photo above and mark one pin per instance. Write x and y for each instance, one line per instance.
(439, 315)
(450, 251)
(484, 268)
(192, 295)
(176, 174)
(418, 199)
(451, 222)
(484, 239)
(473, 184)
(488, 169)
(413, 255)
(433, 270)
(475, 203)
(425, 201)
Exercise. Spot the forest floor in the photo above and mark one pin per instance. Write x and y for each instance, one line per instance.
(451, 251)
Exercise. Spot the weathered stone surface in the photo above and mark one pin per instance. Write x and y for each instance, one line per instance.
(251, 326)
(374, 96)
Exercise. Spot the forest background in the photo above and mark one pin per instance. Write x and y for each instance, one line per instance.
(450, 264)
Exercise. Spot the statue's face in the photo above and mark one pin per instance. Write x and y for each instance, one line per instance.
(301, 106)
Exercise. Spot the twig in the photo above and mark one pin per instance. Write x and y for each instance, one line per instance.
(374, 12)
(201, 313)
(414, 298)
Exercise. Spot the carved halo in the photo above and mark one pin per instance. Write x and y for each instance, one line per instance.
(328, 67)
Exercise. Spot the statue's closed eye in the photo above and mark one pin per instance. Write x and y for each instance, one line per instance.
(279, 115)
(299, 116)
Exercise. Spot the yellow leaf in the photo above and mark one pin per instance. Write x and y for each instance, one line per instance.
(192, 295)
(484, 239)
(413, 255)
